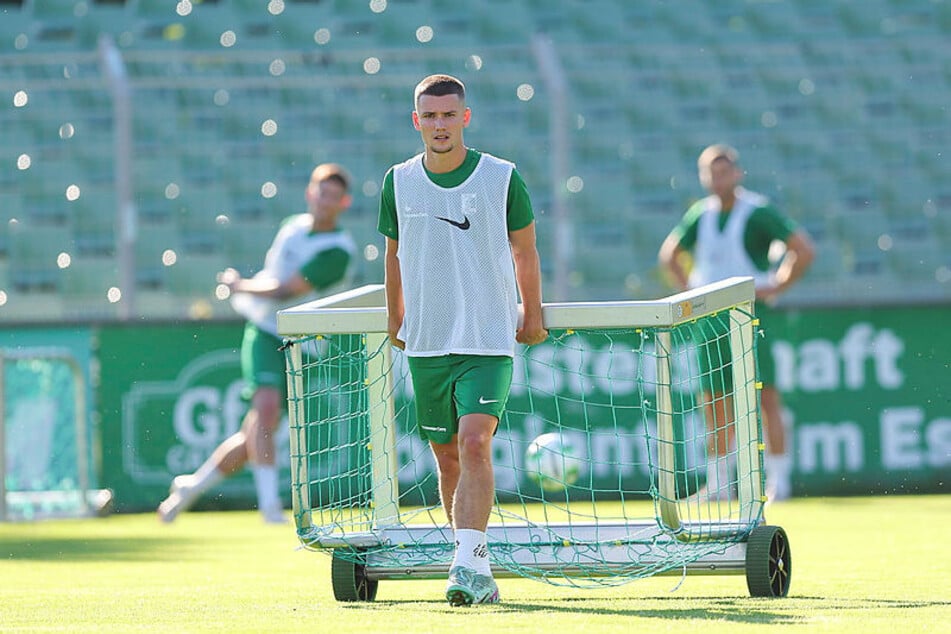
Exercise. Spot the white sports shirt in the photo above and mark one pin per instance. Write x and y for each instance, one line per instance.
(456, 261)
(721, 254)
(292, 248)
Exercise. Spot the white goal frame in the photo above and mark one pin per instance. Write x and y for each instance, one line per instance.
(363, 311)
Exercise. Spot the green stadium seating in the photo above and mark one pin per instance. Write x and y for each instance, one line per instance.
(245, 244)
(15, 25)
(33, 254)
(200, 212)
(150, 248)
(93, 222)
(916, 261)
(90, 278)
(193, 275)
(839, 110)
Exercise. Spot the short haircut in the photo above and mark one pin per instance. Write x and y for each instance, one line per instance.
(331, 172)
(439, 86)
(716, 152)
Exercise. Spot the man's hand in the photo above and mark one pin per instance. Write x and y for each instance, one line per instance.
(229, 277)
(393, 329)
(531, 337)
(768, 294)
(531, 330)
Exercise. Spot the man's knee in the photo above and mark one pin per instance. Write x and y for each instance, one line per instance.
(447, 457)
(475, 436)
(269, 406)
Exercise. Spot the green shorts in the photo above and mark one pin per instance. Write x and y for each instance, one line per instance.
(262, 364)
(450, 386)
(713, 348)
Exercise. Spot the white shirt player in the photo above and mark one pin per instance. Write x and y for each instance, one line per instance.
(721, 254)
(293, 247)
(456, 261)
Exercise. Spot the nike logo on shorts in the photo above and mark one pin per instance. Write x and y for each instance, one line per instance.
(428, 428)
(485, 401)
(464, 225)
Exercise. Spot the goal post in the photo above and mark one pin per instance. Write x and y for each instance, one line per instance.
(45, 454)
(619, 381)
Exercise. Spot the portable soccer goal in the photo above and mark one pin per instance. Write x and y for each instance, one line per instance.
(635, 392)
(46, 467)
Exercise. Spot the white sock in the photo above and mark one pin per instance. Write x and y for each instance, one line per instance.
(207, 476)
(718, 476)
(471, 551)
(778, 473)
(266, 484)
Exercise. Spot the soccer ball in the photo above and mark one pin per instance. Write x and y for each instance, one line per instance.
(552, 462)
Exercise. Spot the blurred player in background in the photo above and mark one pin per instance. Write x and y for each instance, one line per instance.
(729, 233)
(454, 220)
(310, 253)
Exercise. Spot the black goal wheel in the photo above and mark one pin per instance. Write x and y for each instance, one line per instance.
(768, 562)
(349, 579)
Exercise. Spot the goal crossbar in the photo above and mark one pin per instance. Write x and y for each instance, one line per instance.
(363, 310)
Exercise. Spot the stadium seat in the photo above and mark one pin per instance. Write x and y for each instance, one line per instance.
(33, 256)
(93, 222)
(45, 207)
(917, 260)
(90, 278)
(212, 27)
(150, 248)
(771, 19)
(840, 115)
(193, 275)
(15, 23)
(200, 218)
(245, 244)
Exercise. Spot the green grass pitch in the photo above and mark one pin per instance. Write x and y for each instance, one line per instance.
(860, 565)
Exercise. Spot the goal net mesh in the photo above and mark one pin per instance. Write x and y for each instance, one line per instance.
(44, 455)
(634, 413)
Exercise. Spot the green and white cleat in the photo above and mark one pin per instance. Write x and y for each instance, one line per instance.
(467, 587)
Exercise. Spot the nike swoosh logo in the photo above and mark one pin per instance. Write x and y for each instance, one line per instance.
(462, 225)
(485, 401)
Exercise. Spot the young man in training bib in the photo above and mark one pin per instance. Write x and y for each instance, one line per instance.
(729, 233)
(309, 254)
(455, 221)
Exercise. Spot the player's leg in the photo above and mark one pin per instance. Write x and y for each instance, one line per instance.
(719, 416)
(436, 420)
(260, 427)
(447, 462)
(475, 491)
(716, 401)
(186, 489)
(773, 427)
(262, 365)
(481, 390)
(777, 463)
(228, 458)
(472, 504)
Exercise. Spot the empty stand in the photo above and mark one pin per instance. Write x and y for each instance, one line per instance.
(839, 110)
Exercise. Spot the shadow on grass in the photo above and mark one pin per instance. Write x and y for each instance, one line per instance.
(97, 548)
(786, 611)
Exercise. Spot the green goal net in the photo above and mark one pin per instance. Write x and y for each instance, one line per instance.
(602, 458)
(45, 453)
